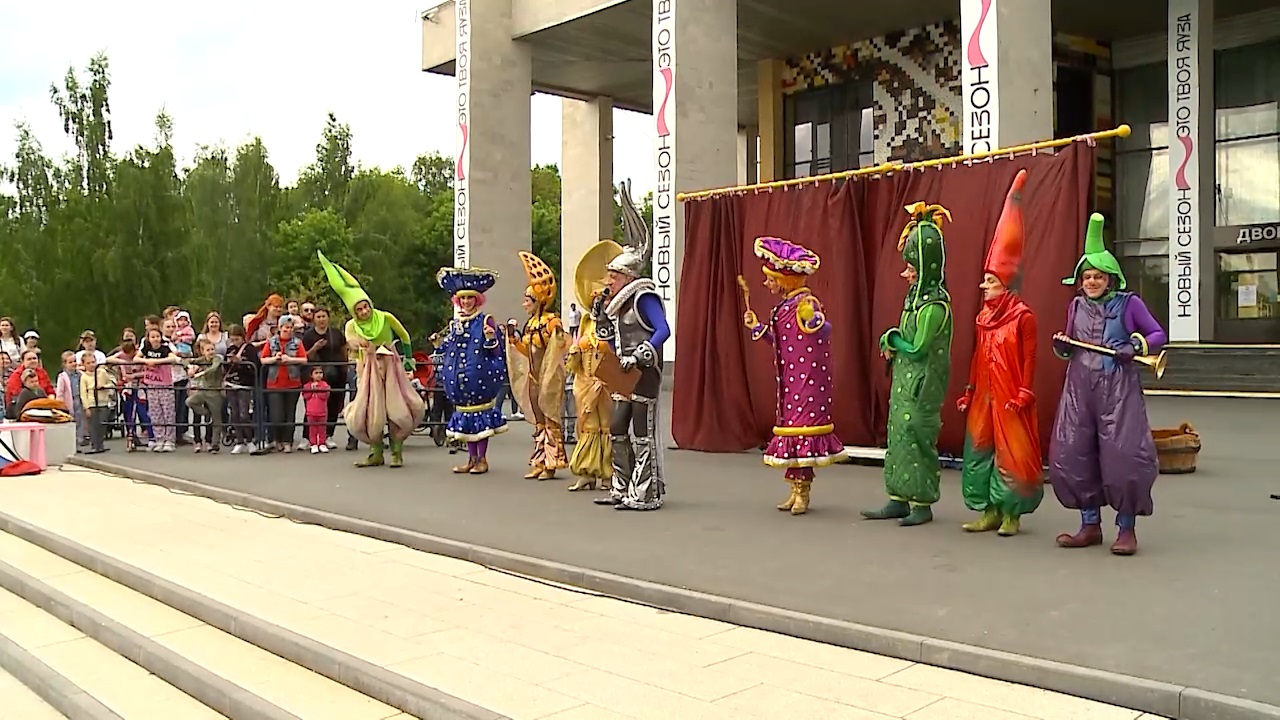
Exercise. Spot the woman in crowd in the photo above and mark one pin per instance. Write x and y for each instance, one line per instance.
(284, 357)
(212, 332)
(31, 341)
(160, 361)
(30, 360)
(263, 324)
(9, 341)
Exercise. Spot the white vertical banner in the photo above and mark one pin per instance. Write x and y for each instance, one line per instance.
(979, 75)
(462, 157)
(1185, 211)
(664, 189)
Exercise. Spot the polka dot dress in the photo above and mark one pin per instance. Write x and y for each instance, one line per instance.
(473, 375)
(803, 364)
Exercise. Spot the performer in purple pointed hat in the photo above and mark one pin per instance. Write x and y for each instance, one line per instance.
(804, 436)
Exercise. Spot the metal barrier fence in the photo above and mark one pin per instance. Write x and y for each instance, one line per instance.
(255, 421)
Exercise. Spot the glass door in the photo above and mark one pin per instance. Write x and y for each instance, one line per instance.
(1248, 297)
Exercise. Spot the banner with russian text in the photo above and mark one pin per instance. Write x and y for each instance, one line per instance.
(462, 158)
(664, 189)
(979, 74)
(1185, 211)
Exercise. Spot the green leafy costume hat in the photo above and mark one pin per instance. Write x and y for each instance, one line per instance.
(348, 288)
(1096, 255)
(922, 247)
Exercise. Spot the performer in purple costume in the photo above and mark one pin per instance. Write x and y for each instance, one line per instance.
(804, 437)
(1102, 452)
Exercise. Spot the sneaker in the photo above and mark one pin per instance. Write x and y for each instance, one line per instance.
(239, 449)
(154, 446)
(214, 449)
(199, 447)
(167, 446)
(330, 445)
(323, 449)
(303, 444)
(315, 449)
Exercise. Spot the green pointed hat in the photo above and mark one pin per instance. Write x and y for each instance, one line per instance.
(1096, 255)
(343, 283)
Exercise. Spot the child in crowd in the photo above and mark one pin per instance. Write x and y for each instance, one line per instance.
(158, 358)
(68, 393)
(315, 398)
(242, 372)
(205, 396)
(32, 389)
(133, 397)
(94, 394)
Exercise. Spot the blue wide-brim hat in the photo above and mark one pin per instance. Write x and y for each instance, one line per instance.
(466, 280)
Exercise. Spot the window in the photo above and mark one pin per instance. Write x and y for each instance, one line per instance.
(831, 130)
(1246, 148)
(1149, 277)
(1247, 286)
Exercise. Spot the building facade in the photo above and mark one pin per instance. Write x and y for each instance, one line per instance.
(746, 91)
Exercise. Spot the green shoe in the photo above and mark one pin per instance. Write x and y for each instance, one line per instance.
(397, 454)
(374, 459)
(892, 510)
(989, 521)
(919, 515)
(1009, 527)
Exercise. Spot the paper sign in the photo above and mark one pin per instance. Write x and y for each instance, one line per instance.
(1246, 296)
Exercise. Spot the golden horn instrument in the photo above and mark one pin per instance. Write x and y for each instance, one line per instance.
(1157, 363)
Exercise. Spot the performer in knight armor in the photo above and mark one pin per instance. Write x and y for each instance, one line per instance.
(635, 324)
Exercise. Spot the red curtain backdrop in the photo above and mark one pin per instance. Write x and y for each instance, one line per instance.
(724, 383)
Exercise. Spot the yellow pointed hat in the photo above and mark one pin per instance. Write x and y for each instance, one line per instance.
(542, 282)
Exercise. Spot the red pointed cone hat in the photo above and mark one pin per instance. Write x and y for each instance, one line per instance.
(1005, 254)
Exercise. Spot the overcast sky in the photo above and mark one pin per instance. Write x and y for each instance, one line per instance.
(231, 70)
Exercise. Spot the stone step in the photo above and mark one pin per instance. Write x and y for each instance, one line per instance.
(222, 671)
(111, 686)
(19, 701)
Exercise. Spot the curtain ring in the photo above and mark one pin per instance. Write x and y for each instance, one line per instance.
(1035, 151)
(1091, 141)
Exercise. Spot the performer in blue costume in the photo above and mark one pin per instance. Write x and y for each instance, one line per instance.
(634, 324)
(475, 366)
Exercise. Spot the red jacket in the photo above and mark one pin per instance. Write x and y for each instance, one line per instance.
(14, 386)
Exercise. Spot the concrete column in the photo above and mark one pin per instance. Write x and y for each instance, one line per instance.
(492, 186)
(586, 169)
(1191, 170)
(747, 140)
(769, 118)
(1006, 66)
(695, 105)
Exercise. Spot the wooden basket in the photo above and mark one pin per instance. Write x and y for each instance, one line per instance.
(1177, 449)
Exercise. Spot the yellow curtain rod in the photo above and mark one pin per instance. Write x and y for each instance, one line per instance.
(886, 168)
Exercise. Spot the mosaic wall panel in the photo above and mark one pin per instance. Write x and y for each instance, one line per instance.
(916, 76)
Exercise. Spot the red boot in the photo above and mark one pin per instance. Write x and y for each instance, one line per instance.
(1086, 536)
(1126, 543)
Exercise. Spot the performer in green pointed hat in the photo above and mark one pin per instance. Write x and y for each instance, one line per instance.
(1101, 451)
(385, 398)
(919, 353)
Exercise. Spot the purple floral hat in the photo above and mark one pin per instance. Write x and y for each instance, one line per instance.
(783, 257)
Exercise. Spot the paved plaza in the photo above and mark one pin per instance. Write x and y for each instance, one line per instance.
(528, 650)
(1193, 608)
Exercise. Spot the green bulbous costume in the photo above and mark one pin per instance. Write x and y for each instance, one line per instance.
(921, 366)
(385, 398)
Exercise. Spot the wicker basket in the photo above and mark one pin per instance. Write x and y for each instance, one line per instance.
(1177, 449)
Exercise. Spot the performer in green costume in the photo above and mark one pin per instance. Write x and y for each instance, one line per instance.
(385, 398)
(919, 351)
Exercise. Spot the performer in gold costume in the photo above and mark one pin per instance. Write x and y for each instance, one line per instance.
(536, 369)
(592, 460)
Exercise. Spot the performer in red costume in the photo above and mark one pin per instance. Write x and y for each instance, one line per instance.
(1002, 476)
